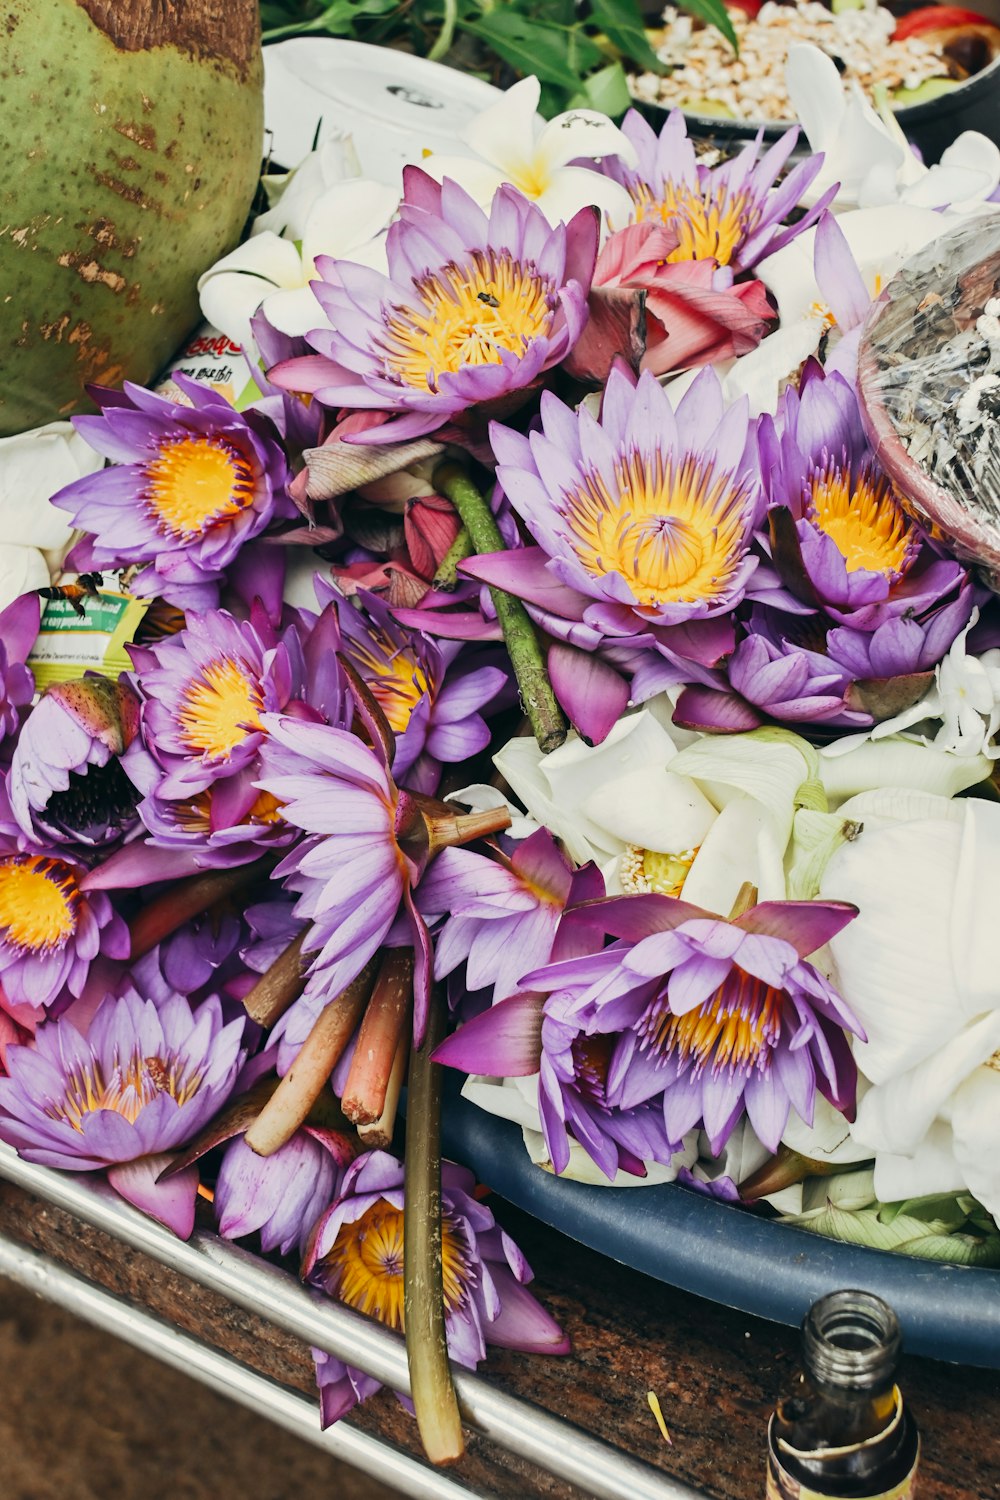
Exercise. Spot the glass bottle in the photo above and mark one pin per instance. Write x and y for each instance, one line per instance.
(845, 1433)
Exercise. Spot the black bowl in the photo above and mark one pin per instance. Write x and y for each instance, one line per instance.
(974, 105)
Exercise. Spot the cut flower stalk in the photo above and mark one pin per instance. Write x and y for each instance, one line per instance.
(434, 1401)
(279, 986)
(190, 898)
(520, 638)
(305, 1080)
(377, 1136)
(385, 1018)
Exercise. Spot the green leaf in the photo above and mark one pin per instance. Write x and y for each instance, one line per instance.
(606, 90)
(529, 46)
(713, 13)
(622, 24)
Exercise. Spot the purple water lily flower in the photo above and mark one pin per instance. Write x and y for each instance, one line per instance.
(52, 927)
(840, 539)
(281, 1195)
(206, 692)
(143, 1081)
(430, 692)
(18, 631)
(66, 780)
(356, 1256)
(730, 213)
(188, 486)
(687, 1020)
(503, 914)
(474, 310)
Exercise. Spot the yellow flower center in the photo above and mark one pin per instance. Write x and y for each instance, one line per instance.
(196, 483)
(737, 1027)
(220, 708)
(467, 315)
(863, 518)
(712, 223)
(643, 870)
(127, 1090)
(367, 1259)
(265, 809)
(397, 681)
(39, 898)
(674, 531)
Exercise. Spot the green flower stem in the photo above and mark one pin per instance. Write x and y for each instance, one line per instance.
(446, 35)
(434, 1400)
(523, 648)
(446, 577)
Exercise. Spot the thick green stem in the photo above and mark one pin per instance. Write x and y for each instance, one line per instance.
(434, 1400)
(523, 647)
(446, 577)
(446, 35)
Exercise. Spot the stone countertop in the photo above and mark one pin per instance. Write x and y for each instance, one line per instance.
(717, 1373)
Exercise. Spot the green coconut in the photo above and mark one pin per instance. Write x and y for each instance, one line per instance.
(130, 140)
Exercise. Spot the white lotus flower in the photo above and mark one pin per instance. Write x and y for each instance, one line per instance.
(920, 968)
(34, 534)
(868, 154)
(657, 807)
(537, 162)
(347, 221)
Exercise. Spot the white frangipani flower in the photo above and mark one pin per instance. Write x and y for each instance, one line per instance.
(868, 154)
(34, 534)
(292, 195)
(347, 222)
(512, 149)
(919, 967)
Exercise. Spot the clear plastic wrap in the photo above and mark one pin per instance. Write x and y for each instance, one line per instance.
(929, 384)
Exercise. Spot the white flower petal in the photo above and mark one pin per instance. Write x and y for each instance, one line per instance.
(228, 302)
(346, 217)
(742, 845)
(932, 1168)
(294, 312)
(266, 255)
(573, 188)
(896, 1115)
(975, 1126)
(761, 374)
(33, 466)
(769, 768)
(480, 179)
(828, 1138)
(22, 569)
(815, 89)
(968, 172)
(976, 939)
(652, 808)
(504, 133)
(893, 962)
(892, 804)
(581, 134)
(899, 763)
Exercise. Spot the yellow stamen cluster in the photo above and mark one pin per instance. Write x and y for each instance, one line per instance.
(128, 1088)
(396, 679)
(196, 483)
(711, 222)
(863, 517)
(39, 898)
(736, 1027)
(367, 1259)
(467, 315)
(675, 530)
(221, 706)
(641, 871)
